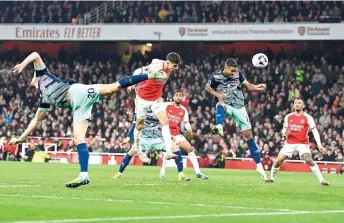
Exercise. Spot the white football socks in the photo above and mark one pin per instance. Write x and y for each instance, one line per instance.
(166, 134)
(261, 171)
(194, 161)
(273, 172)
(317, 172)
(137, 138)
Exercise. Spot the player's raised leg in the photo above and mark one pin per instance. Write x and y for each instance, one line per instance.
(314, 167)
(185, 145)
(109, 89)
(220, 117)
(79, 132)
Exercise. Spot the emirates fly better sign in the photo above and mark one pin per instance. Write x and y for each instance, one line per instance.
(174, 32)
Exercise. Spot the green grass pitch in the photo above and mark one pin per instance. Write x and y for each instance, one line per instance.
(32, 192)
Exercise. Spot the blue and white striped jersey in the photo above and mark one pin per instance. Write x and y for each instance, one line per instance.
(230, 86)
(52, 90)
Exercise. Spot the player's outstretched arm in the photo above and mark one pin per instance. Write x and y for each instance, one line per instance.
(126, 142)
(33, 124)
(254, 87)
(33, 57)
(211, 91)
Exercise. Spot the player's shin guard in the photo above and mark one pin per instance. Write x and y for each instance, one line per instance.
(254, 150)
(125, 163)
(83, 158)
(137, 137)
(274, 171)
(317, 172)
(166, 135)
(194, 161)
(179, 161)
(132, 80)
(163, 166)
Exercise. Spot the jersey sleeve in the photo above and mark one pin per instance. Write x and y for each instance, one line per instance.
(186, 116)
(212, 83)
(40, 71)
(43, 106)
(311, 122)
(242, 78)
(285, 125)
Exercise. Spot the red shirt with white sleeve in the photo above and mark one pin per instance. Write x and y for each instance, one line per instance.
(175, 116)
(298, 126)
(151, 89)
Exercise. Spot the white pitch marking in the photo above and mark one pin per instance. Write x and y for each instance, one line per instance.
(18, 185)
(180, 216)
(143, 202)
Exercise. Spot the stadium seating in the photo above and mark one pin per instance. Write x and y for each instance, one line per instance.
(173, 12)
(321, 88)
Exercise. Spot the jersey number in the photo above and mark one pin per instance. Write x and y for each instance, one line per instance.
(91, 93)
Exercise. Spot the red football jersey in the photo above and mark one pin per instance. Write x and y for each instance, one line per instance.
(298, 125)
(175, 116)
(267, 163)
(151, 90)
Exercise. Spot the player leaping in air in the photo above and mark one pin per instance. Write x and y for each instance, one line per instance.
(151, 139)
(295, 128)
(148, 96)
(177, 114)
(80, 98)
(226, 86)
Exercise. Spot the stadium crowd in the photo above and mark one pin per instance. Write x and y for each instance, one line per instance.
(171, 11)
(321, 85)
(319, 82)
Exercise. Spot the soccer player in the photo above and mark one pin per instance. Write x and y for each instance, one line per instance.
(295, 128)
(176, 114)
(148, 96)
(151, 139)
(80, 98)
(226, 86)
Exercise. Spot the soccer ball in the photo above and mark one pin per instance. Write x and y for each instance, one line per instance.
(260, 60)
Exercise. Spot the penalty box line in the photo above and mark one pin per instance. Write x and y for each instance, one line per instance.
(180, 216)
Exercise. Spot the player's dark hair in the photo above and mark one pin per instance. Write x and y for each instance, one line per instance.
(177, 91)
(173, 58)
(231, 62)
(299, 98)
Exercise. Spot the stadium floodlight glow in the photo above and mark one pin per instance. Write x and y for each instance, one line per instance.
(149, 44)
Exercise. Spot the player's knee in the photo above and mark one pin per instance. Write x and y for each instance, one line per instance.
(109, 89)
(78, 140)
(247, 134)
(189, 149)
(220, 103)
(131, 152)
(308, 159)
(139, 125)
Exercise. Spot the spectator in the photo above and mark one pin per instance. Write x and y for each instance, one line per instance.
(267, 161)
(204, 161)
